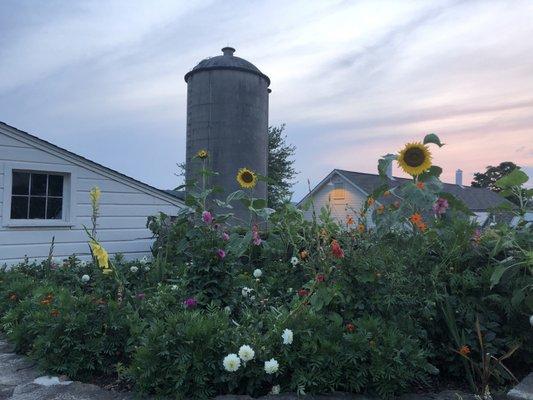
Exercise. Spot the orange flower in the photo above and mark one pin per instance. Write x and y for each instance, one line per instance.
(304, 255)
(47, 299)
(349, 220)
(370, 201)
(380, 209)
(420, 185)
(361, 228)
(416, 219)
(386, 193)
(54, 313)
(422, 227)
(464, 350)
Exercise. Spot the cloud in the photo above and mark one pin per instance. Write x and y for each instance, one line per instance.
(352, 80)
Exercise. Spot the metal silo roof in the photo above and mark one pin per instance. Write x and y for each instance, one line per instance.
(226, 61)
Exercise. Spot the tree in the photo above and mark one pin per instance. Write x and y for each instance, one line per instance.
(280, 166)
(488, 178)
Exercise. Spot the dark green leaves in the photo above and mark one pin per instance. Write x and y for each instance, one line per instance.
(432, 138)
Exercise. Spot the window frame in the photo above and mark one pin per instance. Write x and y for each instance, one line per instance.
(69, 194)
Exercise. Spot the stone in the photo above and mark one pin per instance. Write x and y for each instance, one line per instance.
(524, 390)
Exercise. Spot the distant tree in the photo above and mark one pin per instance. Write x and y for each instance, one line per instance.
(280, 166)
(492, 174)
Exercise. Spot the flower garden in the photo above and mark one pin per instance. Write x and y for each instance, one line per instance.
(420, 300)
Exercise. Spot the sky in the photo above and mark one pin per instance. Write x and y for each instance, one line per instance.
(352, 80)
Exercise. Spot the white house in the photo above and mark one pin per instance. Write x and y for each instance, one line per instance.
(346, 191)
(44, 194)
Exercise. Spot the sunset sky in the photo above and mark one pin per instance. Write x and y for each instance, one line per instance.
(352, 80)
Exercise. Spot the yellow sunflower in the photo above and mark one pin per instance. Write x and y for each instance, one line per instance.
(246, 178)
(202, 154)
(414, 158)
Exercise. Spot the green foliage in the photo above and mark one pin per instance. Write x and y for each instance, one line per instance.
(377, 310)
(280, 167)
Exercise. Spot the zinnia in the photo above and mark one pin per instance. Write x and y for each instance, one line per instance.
(440, 206)
(221, 254)
(464, 350)
(207, 217)
(336, 249)
(246, 353)
(231, 362)
(190, 303)
(271, 366)
(287, 336)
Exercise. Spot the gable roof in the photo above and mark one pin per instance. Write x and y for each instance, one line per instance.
(86, 163)
(476, 199)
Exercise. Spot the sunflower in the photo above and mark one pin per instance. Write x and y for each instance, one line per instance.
(414, 158)
(246, 178)
(202, 154)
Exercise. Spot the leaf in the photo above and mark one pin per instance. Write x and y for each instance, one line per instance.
(432, 138)
(257, 204)
(515, 178)
(237, 195)
(497, 275)
(434, 170)
(384, 163)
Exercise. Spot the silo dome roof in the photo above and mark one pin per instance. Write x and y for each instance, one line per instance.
(226, 61)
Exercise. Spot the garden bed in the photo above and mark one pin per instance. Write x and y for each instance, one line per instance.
(422, 299)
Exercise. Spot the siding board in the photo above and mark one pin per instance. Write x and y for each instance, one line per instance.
(124, 209)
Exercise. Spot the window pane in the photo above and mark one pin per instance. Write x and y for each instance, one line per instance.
(37, 207)
(54, 208)
(55, 185)
(21, 182)
(19, 207)
(38, 185)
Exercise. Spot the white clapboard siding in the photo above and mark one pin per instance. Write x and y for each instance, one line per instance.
(125, 205)
(340, 208)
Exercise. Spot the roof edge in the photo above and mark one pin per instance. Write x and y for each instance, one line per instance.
(231, 68)
(82, 161)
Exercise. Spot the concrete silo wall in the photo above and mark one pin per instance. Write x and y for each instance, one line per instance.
(227, 114)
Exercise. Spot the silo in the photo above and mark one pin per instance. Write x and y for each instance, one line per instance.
(227, 115)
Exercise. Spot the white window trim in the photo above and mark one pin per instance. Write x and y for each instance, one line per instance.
(69, 195)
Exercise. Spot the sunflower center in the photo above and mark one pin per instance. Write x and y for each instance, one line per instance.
(247, 177)
(414, 157)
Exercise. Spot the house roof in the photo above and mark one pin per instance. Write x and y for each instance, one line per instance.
(86, 163)
(476, 199)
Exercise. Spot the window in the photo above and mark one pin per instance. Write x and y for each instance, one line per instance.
(338, 192)
(36, 195)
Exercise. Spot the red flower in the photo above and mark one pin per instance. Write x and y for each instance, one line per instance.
(320, 278)
(336, 249)
(303, 292)
(350, 327)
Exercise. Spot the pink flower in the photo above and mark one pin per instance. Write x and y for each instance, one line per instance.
(141, 296)
(190, 303)
(225, 236)
(255, 236)
(221, 254)
(440, 206)
(207, 217)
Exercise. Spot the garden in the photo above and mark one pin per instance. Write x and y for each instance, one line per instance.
(419, 300)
